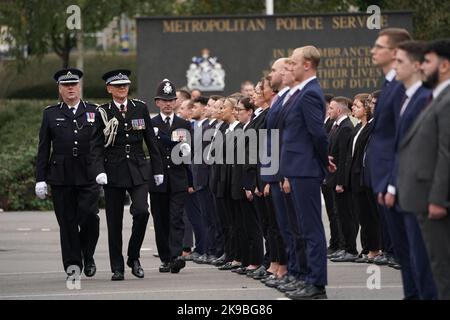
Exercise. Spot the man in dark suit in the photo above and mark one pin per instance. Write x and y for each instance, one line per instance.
(70, 142)
(338, 148)
(408, 60)
(304, 141)
(168, 199)
(423, 176)
(200, 174)
(381, 147)
(336, 244)
(127, 125)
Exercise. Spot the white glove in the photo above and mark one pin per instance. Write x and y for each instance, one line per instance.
(156, 129)
(159, 179)
(41, 190)
(102, 179)
(185, 149)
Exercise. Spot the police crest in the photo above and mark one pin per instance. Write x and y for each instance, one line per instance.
(205, 73)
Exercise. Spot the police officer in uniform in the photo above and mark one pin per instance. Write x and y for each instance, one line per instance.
(70, 141)
(126, 126)
(168, 200)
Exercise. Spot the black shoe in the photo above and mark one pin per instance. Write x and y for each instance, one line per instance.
(136, 268)
(381, 260)
(292, 286)
(164, 267)
(117, 276)
(346, 257)
(211, 259)
(89, 268)
(177, 265)
(394, 264)
(309, 292)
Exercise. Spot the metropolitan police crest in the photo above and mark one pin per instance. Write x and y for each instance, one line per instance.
(167, 88)
(205, 73)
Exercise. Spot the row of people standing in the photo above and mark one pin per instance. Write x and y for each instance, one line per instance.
(367, 190)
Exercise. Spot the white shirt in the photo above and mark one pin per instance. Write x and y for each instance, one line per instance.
(232, 126)
(409, 93)
(211, 121)
(258, 112)
(280, 94)
(339, 121)
(75, 107)
(356, 139)
(200, 123)
(326, 119)
(245, 125)
(390, 75)
(119, 104)
(300, 87)
(437, 91)
(163, 116)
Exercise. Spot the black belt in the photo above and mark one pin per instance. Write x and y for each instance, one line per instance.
(70, 150)
(127, 148)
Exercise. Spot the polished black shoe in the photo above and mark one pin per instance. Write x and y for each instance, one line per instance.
(164, 267)
(211, 259)
(241, 270)
(381, 260)
(292, 286)
(177, 265)
(394, 264)
(309, 292)
(136, 268)
(89, 268)
(117, 276)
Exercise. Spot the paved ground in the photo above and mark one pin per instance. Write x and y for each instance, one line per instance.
(31, 268)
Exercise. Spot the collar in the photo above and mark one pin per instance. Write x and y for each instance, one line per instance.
(200, 123)
(438, 90)
(283, 91)
(338, 122)
(163, 116)
(370, 120)
(125, 103)
(412, 90)
(218, 124)
(326, 119)
(233, 125)
(211, 121)
(75, 106)
(391, 75)
(301, 85)
(258, 111)
(245, 125)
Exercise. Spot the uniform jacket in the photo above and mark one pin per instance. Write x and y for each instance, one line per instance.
(69, 145)
(125, 162)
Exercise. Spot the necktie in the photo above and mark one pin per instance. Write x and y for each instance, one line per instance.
(123, 109)
(402, 104)
(167, 122)
(73, 110)
(333, 129)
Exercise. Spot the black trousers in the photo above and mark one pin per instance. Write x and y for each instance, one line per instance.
(238, 233)
(336, 238)
(253, 232)
(167, 211)
(224, 212)
(349, 222)
(76, 209)
(368, 219)
(266, 211)
(115, 201)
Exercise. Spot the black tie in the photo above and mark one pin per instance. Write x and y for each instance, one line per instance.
(122, 110)
(333, 129)
(167, 121)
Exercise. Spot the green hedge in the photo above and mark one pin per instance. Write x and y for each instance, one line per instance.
(35, 79)
(20, 121)
(19, 129)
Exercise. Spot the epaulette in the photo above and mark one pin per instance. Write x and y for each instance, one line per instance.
(91, 103)
(137, 100)
(51, 106)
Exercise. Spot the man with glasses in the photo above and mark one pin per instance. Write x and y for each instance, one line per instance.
(69, 143)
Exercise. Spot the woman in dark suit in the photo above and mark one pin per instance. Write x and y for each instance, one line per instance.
(363, 202)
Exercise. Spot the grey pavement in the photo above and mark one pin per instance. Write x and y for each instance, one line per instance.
(31, 268)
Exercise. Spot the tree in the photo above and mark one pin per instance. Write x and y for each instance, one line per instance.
(38, 26)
